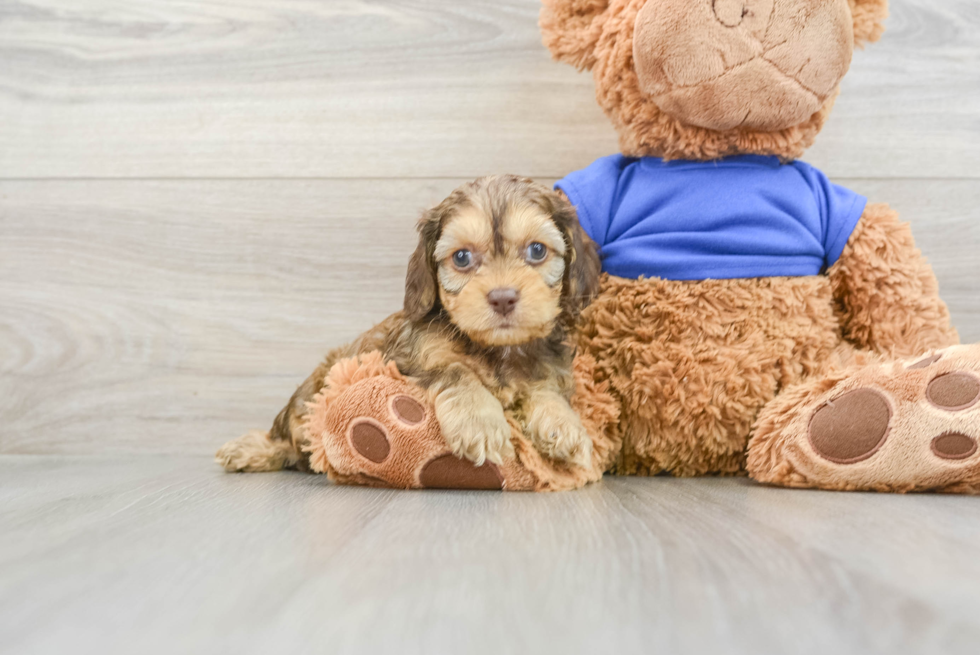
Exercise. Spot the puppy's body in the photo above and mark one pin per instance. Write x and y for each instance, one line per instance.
(501, 271)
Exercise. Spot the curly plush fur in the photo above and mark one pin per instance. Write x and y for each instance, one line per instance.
(693, 362)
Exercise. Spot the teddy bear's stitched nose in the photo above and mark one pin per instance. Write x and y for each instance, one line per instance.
(731, 12)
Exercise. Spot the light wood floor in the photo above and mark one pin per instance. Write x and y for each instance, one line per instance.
(198, 199)
(161, 555)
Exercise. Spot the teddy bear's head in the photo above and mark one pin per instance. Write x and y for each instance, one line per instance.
(702, 79)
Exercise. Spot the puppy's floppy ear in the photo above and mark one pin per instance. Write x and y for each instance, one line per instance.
(582, 264)
(421, 281)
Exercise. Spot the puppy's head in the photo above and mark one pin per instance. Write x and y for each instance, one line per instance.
(505, 258)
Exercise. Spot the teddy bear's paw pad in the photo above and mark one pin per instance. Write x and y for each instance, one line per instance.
(954, 392)
(407, 410)
(954, 446)
(851, 428)
(451, 472)
(370, 439)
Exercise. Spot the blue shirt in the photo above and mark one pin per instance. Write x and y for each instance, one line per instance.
(740, 217)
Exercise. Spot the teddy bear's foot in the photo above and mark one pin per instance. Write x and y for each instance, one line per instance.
(381, 433)
(898, 426)
(371, 426)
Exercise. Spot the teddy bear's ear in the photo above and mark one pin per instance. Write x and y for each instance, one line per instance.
(869, 17)
(571, 28)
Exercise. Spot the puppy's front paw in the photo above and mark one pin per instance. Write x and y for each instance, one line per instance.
(475, 427)
(556, 431)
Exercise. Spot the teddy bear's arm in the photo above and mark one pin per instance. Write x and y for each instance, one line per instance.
(886, 292)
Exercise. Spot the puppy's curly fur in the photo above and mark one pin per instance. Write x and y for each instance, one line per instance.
(501, 272)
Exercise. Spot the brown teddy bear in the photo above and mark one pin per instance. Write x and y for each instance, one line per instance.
(753, 316)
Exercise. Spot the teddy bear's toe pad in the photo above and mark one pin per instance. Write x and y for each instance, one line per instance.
(954, 391)
(851, 428)
(954, 446)
(370, 439)
(408, 410)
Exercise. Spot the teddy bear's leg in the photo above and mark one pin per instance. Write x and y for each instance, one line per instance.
(901, 426)
(372, 426)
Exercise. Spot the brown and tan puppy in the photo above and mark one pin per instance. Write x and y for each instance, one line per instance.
(501, 273)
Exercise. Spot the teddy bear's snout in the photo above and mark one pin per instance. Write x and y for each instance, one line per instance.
(755, 64)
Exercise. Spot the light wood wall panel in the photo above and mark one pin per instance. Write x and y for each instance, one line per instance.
(399, 88)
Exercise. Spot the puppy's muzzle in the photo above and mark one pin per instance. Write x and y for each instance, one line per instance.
(503, 300)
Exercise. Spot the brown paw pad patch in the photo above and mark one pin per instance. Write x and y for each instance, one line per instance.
(954, 446)
(925, 363)
(851, 428)
(370, 439)
(954, 391)
(451, 472)
(408, 410)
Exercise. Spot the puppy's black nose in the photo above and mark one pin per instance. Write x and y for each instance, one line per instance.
(503, 300)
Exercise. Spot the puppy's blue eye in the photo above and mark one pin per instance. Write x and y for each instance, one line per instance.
(462, 258)
(536, 252)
